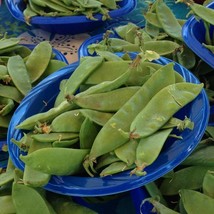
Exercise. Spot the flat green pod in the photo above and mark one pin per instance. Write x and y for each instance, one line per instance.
(28, 200)
(56, 161)
(40, 56)
(196, 202)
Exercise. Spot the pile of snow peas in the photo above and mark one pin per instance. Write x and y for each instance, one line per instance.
(101, 130)
(15, 197)
(189, 188)
(18, 73)
(162, 35)
(56, 8)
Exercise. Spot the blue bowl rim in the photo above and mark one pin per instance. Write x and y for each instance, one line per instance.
(193, 43)
(56, 184)
(12, 6)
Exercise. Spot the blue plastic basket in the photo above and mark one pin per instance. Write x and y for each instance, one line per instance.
(193, 33)
(68, 24)
(173, 154)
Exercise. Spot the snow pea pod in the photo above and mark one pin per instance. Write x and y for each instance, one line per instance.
(203, 12)
(208, 184)
(19, 74)
(114, 168)
(162, 47)
(127, 152)
(168, 20)
(11, 92)
(88, 132)
(56, 161)
(6, 204)
(47, 116)
(6, 106)
(100, 118)
(187, 178)
(100, 101)
(40, 56)
(8, 42)
(69, 121)
(112, 135)
(196, 202)
(51, 137)
(33, 177)
(148, 150)
(27, 197)
(157, 113)
(159, 207)
(65, 143)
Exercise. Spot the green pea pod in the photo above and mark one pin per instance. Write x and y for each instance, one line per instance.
(56, 161)
(108, 71)
(51, 137)
(81, 73)
(100, 118)
(6, 43)
(162, 47)
(53, 66)
(47, 116)
(208, 184)
(69, 121)
(106, 86)
(127, 152)
(112, 135)
(187, 178)
(152, 30)
(106, 160)
(157, 113)
(108, 56)
(148, 150)
(6, 106)
(203, 12)
(100, 101)
(6, 177)
(6, 204)
(88, 132)
(152, 18)
(201, 157)
(65, 205)
(65, 143)
(127, 32)
(11, 92)
(159, 207)
(114, 168)
(196, 202)
(40, 56)
(31, 176)
(168, 20)
(25, 198)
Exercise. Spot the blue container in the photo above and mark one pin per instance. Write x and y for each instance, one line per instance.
(68, 24)
(193, 33)
(172, 155)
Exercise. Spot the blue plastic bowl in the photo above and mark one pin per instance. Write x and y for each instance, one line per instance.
(58, 56)
(68, 24)
(193, 33)
(173, 154)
